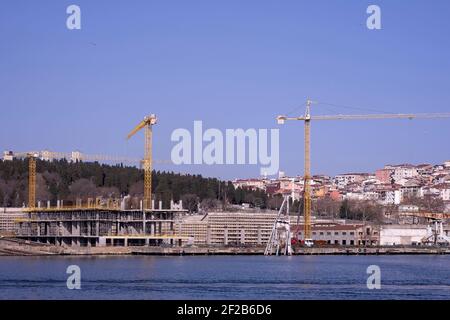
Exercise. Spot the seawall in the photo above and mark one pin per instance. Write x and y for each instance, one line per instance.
(15, 247)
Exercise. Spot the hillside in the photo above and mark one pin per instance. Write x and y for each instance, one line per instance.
(63, 180)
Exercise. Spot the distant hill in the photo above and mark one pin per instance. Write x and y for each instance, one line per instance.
(63, 180)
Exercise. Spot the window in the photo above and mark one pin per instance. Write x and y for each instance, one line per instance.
(336, 242)
(352, 233)
(352, 242)
(344, 233)
(344, 242)
(328, 233)
(321, 233)
(314, 233)
(336, 233)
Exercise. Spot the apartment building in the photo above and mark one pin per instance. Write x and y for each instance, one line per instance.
(8, 219)
(227, 228)
(343, 234)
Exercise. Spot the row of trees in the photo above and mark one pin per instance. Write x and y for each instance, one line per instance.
(64, 180)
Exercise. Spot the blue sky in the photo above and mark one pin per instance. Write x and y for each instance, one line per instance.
(231, 64)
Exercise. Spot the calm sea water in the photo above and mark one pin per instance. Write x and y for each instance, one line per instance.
(226, 277)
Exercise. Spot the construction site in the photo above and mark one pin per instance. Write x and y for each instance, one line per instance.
(99, 222)
(113, 222)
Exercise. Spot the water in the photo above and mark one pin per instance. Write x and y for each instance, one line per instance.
(226, 277)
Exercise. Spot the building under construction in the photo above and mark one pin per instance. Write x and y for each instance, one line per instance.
(102, 226)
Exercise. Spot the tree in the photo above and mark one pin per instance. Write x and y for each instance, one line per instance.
(428, 203)
(64, 180)
(190, 202)
(137, 189)
(209, 204)
(326, 207)
(82, 189)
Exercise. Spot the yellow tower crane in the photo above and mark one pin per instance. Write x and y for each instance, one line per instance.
(147, 123)
(31, 180)
(51, 155)
(307, 118)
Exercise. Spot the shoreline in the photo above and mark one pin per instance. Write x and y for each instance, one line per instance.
(15, 247)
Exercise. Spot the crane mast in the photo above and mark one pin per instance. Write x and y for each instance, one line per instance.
(307, 174)
(147, 125)
(31, 181)
(148, 167)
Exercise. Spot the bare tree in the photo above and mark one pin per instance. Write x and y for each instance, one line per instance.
(190, 202)
(428, 203)
(83, 188)
(108, 192)
(137, 189)
(209, 204)
(326, 207)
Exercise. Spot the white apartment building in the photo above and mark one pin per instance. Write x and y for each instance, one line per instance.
(401, 234)
(403, 171)
(444, 192)
(227, 228)
(8, 218)
(388, 195)
(249, 183)
(342, 180)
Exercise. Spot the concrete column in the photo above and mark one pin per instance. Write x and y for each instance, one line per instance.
(39, 204)
(160, 205)
(58, 203)
(140, 205)
(259, 236)
(126, 242)
(242, 236)
(144, 227)
(102, 242)
(48, 204)
(208, 234)
(171, 204)
(147, 242)
(153, 204)
(225, 236)
(97, 224)
(181, 204)
(152, 228)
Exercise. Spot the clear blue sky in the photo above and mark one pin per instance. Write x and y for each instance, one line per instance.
(232, 64)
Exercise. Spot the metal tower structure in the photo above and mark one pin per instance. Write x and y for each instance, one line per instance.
(31, 180)
(147, 125)
(280, 239)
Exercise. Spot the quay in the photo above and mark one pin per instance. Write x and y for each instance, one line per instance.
(19, 247)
